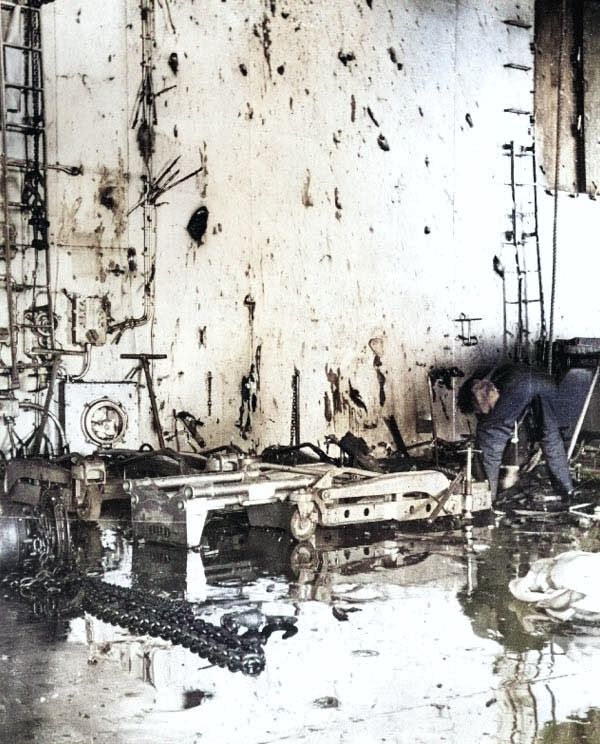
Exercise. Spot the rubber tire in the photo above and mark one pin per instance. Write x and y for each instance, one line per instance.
(303, 528)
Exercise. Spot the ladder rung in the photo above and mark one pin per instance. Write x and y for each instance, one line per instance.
(520, 153)
(519, 244)
(33, 88)
(14, 248)
(515, 66)
(20, 164)
(517, 111)
(25, 129)
(521, 272)
(22, 47)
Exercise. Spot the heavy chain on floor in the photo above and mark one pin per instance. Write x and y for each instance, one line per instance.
(65, 594)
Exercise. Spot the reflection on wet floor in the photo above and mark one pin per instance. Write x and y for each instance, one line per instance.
(368, 635)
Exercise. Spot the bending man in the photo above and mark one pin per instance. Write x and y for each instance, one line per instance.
(499, 399)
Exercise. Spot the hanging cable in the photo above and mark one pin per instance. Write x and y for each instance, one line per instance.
(557, 156)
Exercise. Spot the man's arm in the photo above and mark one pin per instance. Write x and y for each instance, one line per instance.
(492, 435)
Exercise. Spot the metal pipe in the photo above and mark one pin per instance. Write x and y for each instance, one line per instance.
(177, 481)
(583, 412)
(143, 360)
(37, 442)
(25, 405)
(265, 488)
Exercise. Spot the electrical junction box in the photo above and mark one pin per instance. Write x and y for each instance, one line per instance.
(99, 415)
(90, 320)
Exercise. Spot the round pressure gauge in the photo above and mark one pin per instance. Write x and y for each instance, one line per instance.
(104, 422)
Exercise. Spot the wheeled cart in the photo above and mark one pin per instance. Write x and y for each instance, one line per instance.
(173, 510)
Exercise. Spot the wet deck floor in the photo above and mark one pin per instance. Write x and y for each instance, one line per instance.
(401, 638)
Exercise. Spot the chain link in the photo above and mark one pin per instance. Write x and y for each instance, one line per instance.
(68, 593)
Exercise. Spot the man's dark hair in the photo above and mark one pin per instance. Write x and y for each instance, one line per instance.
(464, 398)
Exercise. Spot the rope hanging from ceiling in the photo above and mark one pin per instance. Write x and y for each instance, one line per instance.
(557, 160)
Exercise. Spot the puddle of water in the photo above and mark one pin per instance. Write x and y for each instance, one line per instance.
(397, 637)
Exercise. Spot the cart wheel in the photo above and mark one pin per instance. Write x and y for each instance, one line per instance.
(304, 527)
(89, 510)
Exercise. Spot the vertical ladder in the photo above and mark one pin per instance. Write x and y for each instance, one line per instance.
(521, 270)
(523, 238)
(25, 298)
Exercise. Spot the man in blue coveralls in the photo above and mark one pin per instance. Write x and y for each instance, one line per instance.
(499, 399)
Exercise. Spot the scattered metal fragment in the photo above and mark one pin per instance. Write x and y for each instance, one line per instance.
(339, 613)
(197, 224)
(155, 187)
(393, 57)
(257, 622)
(469, 120)
(192, 425)
(372, 117)
(345, 58)
(173, 62)
(383, 143)
(327, 702)
(336, 197)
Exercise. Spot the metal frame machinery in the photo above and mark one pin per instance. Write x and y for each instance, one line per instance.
(173, 510)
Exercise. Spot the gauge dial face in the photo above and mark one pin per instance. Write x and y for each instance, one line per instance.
(104, 422)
